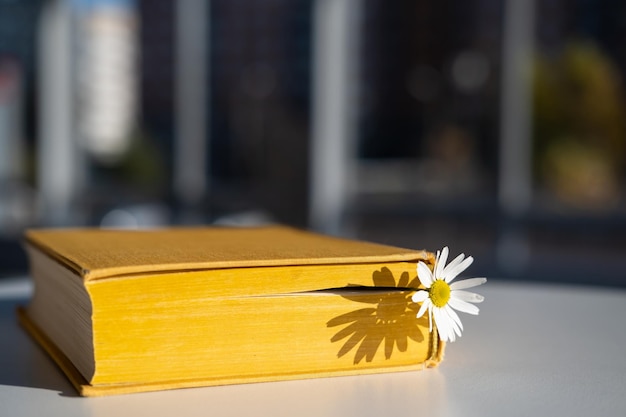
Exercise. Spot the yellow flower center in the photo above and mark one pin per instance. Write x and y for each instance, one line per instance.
(439, 293)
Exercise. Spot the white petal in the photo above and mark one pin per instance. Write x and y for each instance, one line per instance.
(453, 323)
(452, 265)
(454, 272)
(420, 296)
(441, 325)
(424, 274)
(423, 308)
(454, 317)
(470, 297)
(463, 306)
(444, 325)
(467, 283)
(441, 263)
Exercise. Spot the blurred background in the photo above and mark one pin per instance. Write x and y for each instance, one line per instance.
(495, 127)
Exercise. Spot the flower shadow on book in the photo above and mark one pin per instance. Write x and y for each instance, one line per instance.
(390, 321)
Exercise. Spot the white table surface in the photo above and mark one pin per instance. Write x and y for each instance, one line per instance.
(534, 350)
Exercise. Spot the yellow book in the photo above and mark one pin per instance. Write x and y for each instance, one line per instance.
(129, 311)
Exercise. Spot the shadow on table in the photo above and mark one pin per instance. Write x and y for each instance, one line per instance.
(22, 362)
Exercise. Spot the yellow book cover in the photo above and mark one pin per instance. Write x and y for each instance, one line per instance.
(130, 311)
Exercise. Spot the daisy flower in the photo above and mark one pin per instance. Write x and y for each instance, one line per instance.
(441, 296)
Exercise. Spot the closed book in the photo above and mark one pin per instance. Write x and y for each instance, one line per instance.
(129, 311)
